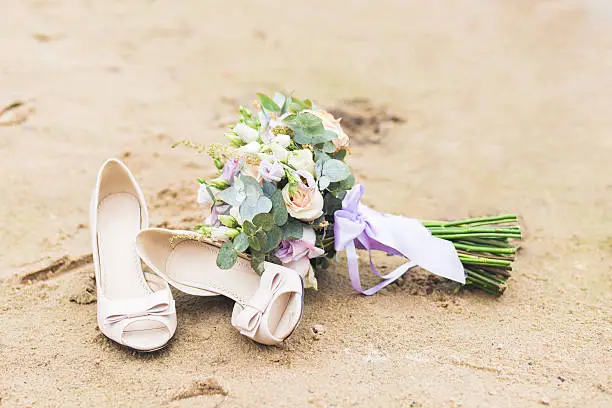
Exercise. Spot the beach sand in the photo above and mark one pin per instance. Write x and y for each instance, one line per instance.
(456, 109)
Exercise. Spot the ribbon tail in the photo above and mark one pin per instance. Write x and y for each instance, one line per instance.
(353, 268)
(408, 237)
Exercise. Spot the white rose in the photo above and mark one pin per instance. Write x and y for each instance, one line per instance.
(279, 152)
(246, 133)
(282, 139)
(252, 147)
(332, 124)
(203, 195)
(302, 160)
(306, 204)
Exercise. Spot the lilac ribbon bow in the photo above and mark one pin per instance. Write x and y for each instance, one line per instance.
(359, 227)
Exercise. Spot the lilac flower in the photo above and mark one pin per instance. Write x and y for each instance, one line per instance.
(293, 250)
(271, 171)
(213, 218)
(231, 169)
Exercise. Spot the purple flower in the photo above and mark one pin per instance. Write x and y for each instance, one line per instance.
(271, 171)
(293, 250)
(213, 218)
(231, 169)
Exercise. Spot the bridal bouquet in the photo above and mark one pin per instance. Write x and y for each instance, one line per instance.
(282, 177)
(285, 194)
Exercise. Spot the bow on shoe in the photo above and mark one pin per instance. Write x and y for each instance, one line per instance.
(157, 303)
(357, 226)
(249, 319)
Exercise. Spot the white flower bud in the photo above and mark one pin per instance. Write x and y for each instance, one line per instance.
(252, 147)
(302, 160)
(283, 140)
(246, 133)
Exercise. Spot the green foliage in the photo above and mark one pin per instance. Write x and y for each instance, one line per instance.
(254, 202)
(335, 170)
(257, 262)
(331, 204)
(307, 128)
(264, 221)
(279, 211)
(273, 239)
(267, 103)
(227, 256)
(340, 155)
(241, 242)
(293, 229)
(324, 182)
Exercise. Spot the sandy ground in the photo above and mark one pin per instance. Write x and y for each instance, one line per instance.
(506, 107)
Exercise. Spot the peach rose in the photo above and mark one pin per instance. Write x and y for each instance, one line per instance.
(306, 204)
(332, 124)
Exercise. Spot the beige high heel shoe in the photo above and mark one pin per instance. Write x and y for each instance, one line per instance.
(268, 308)
(134, 309)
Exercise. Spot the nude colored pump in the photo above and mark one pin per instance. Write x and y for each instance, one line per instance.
(135, 309)
(267, 308)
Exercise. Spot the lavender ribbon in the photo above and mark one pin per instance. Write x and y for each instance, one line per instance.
(359, 227)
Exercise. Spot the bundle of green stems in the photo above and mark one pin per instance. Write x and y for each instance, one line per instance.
(484, 246)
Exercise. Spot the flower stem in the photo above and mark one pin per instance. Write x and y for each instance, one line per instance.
(479, 235)
(492, 250)
(506, 217)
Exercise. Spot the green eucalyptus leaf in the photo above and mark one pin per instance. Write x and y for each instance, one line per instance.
(345, 184)
(293, 229)
(253, 206)
(249, 228)
(321, 157)
(274, 237)
(261, 237)
(264, 221)
(340, 155)
(241, 242)
(329, 147)
(295, 107)
(280, 215)
(306, 127)
(251, 187)
(335, 170)
(230, 196)
(279, 211)
(254, 243)
(324, 182)
(339, 194)
(267, 103)
(257, 262)
(269, 189)
(311, 124)
(227, 256)
(327, 136)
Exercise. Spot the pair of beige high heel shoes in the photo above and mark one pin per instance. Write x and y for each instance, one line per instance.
(136, 308)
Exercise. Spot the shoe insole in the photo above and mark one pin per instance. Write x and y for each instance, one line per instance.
(120, 268)
(194, 263)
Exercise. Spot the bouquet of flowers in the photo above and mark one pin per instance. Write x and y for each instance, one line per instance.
(285, 194)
